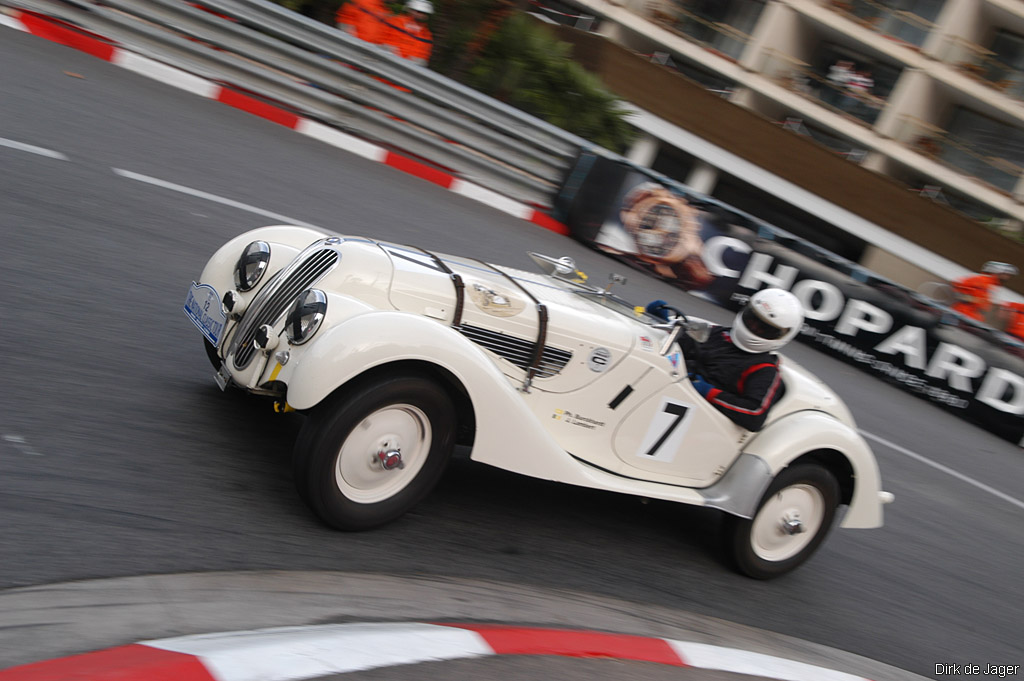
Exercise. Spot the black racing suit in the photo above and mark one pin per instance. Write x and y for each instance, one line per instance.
(746, 384)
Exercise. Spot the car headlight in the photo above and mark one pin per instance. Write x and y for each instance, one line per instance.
(251, 265)
(305, 316)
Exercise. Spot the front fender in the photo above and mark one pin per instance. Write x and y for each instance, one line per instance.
(375, 337)
(787, 439)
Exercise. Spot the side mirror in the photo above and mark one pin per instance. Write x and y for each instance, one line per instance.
(612, 280)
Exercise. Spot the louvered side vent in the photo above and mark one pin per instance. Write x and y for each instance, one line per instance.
(517, 350)
(275, 299)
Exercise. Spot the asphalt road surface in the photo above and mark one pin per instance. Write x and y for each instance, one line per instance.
(119, 456)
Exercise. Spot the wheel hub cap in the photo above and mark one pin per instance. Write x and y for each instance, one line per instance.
(390, 459)
(787, 522)
(383, 453)
(793, 525)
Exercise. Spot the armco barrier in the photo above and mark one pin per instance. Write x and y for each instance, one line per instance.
(100, 47)
(323, 74)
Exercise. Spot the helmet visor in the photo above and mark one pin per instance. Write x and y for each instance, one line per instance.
(761, 327)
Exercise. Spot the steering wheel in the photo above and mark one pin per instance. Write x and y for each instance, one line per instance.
(657, 307)
(676, 311)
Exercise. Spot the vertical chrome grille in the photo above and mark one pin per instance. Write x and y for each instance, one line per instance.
(519, 351)
(275, 298)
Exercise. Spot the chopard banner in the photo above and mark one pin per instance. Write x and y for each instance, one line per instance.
(883, 328)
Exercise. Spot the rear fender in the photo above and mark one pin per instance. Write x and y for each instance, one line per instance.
(804, 432)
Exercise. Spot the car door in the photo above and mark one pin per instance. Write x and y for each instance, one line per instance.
(673, 435)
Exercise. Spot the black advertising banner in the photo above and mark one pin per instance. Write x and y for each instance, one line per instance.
(883, 328)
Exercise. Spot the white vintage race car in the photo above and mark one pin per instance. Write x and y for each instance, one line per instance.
(396, 354)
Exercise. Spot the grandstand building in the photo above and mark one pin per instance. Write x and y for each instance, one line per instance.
(919, 105)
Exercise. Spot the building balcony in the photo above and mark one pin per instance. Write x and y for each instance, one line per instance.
(890, 21)
(713, 31)
(836, 144)
(959, 154)
(983, 65)
(848, 95)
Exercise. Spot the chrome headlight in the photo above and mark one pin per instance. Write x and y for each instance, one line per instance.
(305, 316)
(251, 265)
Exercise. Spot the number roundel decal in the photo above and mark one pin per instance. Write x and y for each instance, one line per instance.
(599, 360)
(665, 432)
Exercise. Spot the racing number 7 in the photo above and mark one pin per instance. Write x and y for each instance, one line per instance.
(677, 410)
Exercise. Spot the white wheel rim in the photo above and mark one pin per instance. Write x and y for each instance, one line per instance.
(358, 471)
(802, 504)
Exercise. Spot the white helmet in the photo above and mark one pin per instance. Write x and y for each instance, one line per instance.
(424, 6)
(996, 267)
(770, 319)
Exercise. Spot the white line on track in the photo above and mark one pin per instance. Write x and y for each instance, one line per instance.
(210, 197)
(945, 469)
(32, 149)
(19, 443)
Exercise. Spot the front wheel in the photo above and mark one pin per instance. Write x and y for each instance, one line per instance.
(370, 454)
(211, 352)
(792, 520)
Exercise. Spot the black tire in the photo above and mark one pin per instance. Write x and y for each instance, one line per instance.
(760, 547)
(336, 463)
(211, 352)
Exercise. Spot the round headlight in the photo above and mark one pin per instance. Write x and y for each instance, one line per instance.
(305, 316)
(251, 265)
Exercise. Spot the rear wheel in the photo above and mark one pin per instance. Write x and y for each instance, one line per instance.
(368, 455)
(792, 520)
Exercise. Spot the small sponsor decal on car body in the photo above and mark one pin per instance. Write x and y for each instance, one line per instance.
(599, 360)
(576, 419)
(674, 359)
(495, 301)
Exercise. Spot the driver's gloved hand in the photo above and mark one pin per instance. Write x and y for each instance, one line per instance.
(658, 308)
(702, 386)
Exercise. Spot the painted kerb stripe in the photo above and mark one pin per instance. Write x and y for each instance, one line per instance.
(294, 653)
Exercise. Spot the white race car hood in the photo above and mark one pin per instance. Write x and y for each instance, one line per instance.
(501, 311)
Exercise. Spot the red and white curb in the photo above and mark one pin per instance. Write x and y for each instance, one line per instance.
(292, 653)
(102, 48)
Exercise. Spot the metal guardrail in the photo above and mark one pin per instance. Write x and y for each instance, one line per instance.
(327, 75)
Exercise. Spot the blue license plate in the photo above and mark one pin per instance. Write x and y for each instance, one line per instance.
(202, 305)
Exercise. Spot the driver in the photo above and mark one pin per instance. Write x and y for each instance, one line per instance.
(736, 369)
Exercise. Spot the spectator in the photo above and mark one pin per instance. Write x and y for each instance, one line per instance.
(840, 73)
(860, 86)
(839, 76)
(861, 82)
(974, 293)
(408, 33)
(365, 19)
